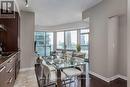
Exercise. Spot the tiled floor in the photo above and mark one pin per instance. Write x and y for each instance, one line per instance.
(26, 79)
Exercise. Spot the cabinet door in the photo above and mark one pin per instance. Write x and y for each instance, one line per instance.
(11, 77)
(10, 62)
(2, 76)
(17, 67)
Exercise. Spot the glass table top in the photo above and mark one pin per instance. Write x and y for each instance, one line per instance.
(59, 63)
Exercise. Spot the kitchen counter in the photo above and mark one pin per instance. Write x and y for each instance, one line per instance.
(9, 68)
(4, 58)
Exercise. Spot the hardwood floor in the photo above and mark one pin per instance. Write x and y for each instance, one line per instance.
(118, 83)
(96, 82)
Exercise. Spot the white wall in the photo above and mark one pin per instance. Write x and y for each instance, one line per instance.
(122, 55)
(128, 43)
(67, 26)
(27, 39)
(113, 43)
(98, 33)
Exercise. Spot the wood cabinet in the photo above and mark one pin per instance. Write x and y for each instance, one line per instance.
(9, 71)
(17, 64)
(10, 38)
(2, 75)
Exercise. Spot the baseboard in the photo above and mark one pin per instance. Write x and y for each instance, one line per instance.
(26, 69)
(108, 79)
(113, 78)
(99, 76)
(122, 77)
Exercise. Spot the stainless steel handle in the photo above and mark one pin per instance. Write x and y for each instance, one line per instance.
(10, 80)
(2, 68)
(10, 60)
(10, 70)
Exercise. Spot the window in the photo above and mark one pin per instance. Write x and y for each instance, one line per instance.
(67, 39)
(84, 41)
(43, 43)
(71, 39)
(60, 40)
(49, 43)
(39, 45)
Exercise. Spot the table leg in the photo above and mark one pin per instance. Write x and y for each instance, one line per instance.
(83, 80)
(59, 82)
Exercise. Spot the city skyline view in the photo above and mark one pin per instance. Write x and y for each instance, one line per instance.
(69, 39)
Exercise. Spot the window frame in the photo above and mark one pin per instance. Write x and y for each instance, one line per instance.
(88, 39)
(64, 31)
(45, 32)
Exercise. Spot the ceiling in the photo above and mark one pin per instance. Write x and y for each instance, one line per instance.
(56, 12)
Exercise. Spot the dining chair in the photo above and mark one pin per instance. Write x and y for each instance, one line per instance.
(79, 54)
(76, 71)
(69, 54)
(51, 76)
(73, 71)
(58, 51)
(41, 78)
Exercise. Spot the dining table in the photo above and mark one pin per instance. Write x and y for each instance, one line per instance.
(62, 63)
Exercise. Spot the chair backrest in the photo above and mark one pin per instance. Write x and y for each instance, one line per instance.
(58, 51)
(69, 54)
(38, 73)
(38, 70)
(46, 72)
(79, 55)
(42, 74)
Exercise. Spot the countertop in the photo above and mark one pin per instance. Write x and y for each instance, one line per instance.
(4, 58)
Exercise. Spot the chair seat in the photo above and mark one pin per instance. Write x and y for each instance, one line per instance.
(72, 72)
(53, 76)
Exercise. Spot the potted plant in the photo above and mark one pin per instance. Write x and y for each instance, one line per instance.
(78, 47)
